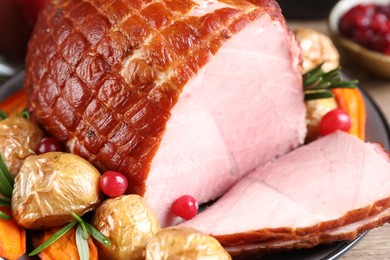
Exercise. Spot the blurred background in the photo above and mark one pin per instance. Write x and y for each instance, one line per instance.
(17, 19)
(306, 9)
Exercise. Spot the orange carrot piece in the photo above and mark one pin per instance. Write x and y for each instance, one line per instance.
(351, 100)
(12, 238)
(65, 247)
(15, 103)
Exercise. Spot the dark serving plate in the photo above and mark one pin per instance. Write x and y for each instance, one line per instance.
(377, 130)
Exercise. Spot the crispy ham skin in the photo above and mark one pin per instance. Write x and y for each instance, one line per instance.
(346, 232)
(329, 190)
(183, 97)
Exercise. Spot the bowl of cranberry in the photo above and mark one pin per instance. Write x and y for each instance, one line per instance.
(362, 29)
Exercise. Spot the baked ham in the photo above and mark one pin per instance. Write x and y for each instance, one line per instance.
(183, 97)
(331, 189)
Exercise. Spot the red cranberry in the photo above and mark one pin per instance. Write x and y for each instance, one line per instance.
(113, 184)
(367, 25)
(49, 144)
(185, 207)
(334, 120)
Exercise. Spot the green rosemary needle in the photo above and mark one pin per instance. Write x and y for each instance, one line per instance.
(317, 83)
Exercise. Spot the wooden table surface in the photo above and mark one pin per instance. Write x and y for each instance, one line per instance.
(376, 244)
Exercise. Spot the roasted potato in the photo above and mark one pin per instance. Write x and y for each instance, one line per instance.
(18, 139)
(317, 48)
(52, 185)
(185, 244)
(129, 223)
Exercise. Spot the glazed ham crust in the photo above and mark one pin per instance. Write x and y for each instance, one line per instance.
(102, 76)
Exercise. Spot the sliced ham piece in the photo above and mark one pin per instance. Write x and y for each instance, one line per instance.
(332, 189)
(344, 232)
(183, 97)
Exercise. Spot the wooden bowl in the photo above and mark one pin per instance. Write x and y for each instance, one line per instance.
(373, 61)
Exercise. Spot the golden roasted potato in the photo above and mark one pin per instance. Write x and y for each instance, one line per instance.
(52, 185)
(184, 243)
(18, 139)
(317, 48)
(129, 223)
(316, 109)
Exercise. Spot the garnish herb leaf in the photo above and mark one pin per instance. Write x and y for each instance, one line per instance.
(89, 229)
(82, 223)
(82, 243)
(345, 84)
(97, 235)
(317, 83)
(318, 95)
(5, 186)
(25, 114)
(82, 231)
(77, 217)
(54, 238)
(4, 216)
(6, 172)
(5, 202)
(3, 115)
(84, 228)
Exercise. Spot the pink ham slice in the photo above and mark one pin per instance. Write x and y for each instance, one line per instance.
(183, 97)
(332, 189)
(216, 133)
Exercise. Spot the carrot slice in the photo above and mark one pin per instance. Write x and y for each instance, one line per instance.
(12, 238)
(351, 100)
(15, 103)
(63, 248)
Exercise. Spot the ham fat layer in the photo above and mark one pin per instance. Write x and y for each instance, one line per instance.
(183, 97)
(329, 190)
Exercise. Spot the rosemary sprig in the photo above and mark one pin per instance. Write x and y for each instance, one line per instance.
(3, 115)
(4, 216)
(97, 235)
(317, 83)
(54, 238)
(6, 187)
(82, 243)
(6, 179)
(25, 114)
(317, 95)
(6, 172)
(80, 220)
(83, 231)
